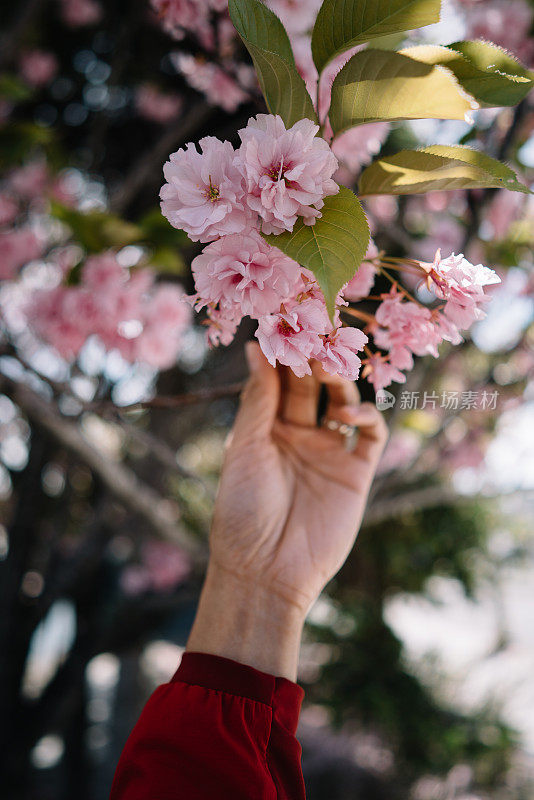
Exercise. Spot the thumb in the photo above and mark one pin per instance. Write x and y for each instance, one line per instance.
(260, 398)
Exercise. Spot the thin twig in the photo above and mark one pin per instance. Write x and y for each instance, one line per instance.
(172, 401)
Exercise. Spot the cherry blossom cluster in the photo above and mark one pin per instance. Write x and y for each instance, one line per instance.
(182, 17)
(129, 312)
(25, 187)
(403, 327)
(227, 87)
(227, 198)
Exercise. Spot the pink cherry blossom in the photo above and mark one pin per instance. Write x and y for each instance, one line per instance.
(288, 173)
(204, 193)
(504, 209)
(340, 352)
(157, 106)
(447, 329)
(47, 316)
(356, 147)
(79, 13)
(505, 22)
(221, 329)
(163, 567)
(293, 336)
(362, 283)
(38, 67)
(143, 321)
(242, 272)
(179, 17)
(17, 247)
(380, 372)
(220, 87)
(30, 181)
(405, 325)
(298, 16)
(301, 44)
(102, 273)
(460, 283)
(8, 209)
(165, 317)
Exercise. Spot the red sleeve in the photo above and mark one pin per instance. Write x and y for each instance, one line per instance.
(218, 731)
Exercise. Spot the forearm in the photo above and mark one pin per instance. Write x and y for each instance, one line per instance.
(241, 620)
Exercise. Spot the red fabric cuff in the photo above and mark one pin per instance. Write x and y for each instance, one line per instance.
(225, 675)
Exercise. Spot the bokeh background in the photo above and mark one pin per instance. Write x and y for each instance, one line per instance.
(418, 659)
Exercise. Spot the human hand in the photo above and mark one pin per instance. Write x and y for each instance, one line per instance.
(290, 501)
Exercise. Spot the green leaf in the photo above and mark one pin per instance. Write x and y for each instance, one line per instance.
(167, 260)
(269, 46)
(97, 230)
(380, 85)
(341, 24)
(490, 74)
(257, 25)
(12, 88)
(439, 167)
(18, 140)
(332, 248)
(158, 230)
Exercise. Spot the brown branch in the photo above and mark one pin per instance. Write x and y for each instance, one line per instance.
(382, 510)
(143, 170)
(173, 401)
(162, 452)
(431, 496)
(119, 479)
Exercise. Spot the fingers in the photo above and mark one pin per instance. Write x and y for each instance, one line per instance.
(260, 398)
(372, 430)
(300, 398)
(341, 392)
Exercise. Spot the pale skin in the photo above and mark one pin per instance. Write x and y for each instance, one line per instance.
(290, 503)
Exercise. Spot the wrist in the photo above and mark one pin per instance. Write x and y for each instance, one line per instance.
(239, 619)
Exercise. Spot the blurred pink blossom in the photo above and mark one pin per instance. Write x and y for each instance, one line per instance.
(362, 283)
(219, 87)
(298, 16)
(38, 67)
(505, 22)
(380, 372)
(157, 106)
(79, 13)
(145, 322)
(17, 247)
(8, 209)
(30, 181)
(162, 567)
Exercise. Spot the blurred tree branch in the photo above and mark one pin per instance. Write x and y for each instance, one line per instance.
(143, 170)
(119, 479)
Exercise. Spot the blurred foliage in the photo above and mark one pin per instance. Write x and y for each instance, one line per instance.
(366, 680)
